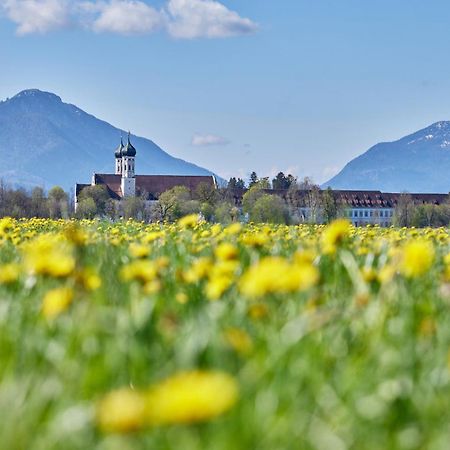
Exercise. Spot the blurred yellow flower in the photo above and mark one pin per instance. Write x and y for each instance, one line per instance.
(417, 258)
(190, 397)
(189, 221)
(49, 255)
(89, 279)
(198, 270)
(181, 298)
(274, 275)
(217, 286)
(139, 250)
(141, 270)
(233, 229)
(334, 234)
(56, 301)
(9, 273)
(239, 340)
(121, 411)
(258, 311)
(226, 251)
(6, 225)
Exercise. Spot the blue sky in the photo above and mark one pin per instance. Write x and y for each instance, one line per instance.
(239, 85)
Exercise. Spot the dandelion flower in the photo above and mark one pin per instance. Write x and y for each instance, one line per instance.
(191, 397)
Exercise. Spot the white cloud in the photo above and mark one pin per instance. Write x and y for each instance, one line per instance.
(206, 140)
(37, 16)
(124, 17)
(184, 19)
(190, 19)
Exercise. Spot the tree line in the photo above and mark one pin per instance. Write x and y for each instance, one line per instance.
(294, 202)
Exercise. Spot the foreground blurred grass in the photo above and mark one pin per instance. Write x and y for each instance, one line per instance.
(192, 336)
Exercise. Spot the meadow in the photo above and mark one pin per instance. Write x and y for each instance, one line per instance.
(196, 336)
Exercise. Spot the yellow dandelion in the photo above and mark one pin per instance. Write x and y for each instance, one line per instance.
(226, 251)
(217, 286)
(9, 273)
(191, 397)
(199, 270)
(189, 221)
(139, 250)
(417, 258)
(121, 411)
(56, 301)
(274, 275)
(140, 270)
(49, 255)
(334, 234)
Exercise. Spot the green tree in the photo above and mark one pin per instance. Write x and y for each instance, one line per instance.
(206, 193)
(99, 194)
(133, 208)
(250, 198)
(170, 203)
(39, 205)
(282, 182)
(404, 211)
(86, 208)
(253, 180)
(226, 212)
(269, 209)
(329, 206)
(58, 202)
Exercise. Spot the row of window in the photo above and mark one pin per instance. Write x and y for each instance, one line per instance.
(369, 213)
(127, 167)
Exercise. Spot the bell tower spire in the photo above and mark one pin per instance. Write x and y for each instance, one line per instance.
(118, 157)
(128, 183)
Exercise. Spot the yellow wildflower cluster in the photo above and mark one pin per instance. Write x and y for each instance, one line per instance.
(184, 398)
(87, 306)
(275, 275)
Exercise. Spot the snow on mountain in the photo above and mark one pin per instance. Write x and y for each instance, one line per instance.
(419, 162)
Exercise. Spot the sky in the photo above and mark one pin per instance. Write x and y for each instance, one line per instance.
(299, 86)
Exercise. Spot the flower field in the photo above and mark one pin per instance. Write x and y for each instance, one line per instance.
(196, 336)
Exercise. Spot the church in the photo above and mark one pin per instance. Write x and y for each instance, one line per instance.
(125, 183)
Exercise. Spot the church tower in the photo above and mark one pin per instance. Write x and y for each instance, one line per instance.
(118, 155)
(128, 182)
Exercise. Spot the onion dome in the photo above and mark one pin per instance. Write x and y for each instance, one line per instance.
(119, 150)
(129, 150)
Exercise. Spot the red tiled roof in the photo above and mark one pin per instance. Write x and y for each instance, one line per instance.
(361, 199)
(112, 183)
(155, 185)
(151, 185)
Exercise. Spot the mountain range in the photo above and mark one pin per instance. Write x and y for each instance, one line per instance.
(46, 142)
(419, 162)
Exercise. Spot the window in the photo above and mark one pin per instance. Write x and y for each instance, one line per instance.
(360, 214)
(381, 213)
(366, 213)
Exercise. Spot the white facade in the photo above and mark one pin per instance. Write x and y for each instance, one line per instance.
(118, 166)
(125, 166)
(358, 216)
(370, 216)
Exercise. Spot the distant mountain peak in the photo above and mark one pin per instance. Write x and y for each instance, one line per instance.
(36, 94)
(418, 162)
(443, 124)
(44, 141)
